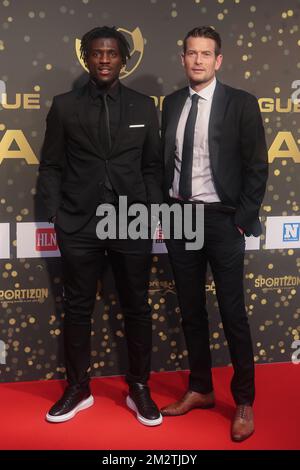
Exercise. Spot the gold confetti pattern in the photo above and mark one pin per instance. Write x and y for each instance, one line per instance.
(261, 42)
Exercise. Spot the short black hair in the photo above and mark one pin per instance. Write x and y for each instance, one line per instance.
(104, 32)
(204, 32)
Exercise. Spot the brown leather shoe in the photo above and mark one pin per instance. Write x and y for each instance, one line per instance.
(188, 402)
(243, 423)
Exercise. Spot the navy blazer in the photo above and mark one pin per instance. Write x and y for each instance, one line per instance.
(237, 150)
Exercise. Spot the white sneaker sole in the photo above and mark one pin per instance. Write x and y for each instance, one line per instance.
(81, 406)
(147, 422)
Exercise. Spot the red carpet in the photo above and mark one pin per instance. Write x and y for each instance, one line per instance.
(110, 425)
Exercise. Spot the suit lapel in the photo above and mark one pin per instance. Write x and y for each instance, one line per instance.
(127, 107)
(175, 116)
(173, 120)
(217, 113)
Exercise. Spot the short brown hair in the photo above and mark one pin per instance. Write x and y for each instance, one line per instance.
(204, 32)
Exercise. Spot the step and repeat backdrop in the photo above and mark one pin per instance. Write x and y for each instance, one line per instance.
(39, 58)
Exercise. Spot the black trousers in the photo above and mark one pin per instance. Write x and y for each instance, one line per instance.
(83, 255)
(223, 249)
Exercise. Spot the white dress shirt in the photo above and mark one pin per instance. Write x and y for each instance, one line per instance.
(203, 187)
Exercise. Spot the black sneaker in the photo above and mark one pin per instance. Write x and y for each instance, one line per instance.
(72, 401)
(140, 401)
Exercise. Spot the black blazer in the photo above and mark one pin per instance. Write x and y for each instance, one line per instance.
(74, 165)
(237, 150)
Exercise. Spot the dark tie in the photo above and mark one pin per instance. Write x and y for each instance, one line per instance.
(105, 137)
(185, 180)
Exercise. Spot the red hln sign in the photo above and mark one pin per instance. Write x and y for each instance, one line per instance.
(45, 239)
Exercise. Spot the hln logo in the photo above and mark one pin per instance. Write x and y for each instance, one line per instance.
(291, 232)
(45, 239)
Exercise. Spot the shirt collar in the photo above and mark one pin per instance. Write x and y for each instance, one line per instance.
(96, 91)
(207, 92)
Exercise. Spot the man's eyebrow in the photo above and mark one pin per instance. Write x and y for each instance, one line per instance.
(194, 50)
(104, 49)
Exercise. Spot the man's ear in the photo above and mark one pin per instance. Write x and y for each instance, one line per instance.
(218, 62)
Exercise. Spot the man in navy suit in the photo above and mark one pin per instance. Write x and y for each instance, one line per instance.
(102, 142)
(215, 154)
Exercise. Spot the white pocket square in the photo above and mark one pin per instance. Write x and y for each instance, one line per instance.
(137, 125)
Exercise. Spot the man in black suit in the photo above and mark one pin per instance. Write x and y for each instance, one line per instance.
(215, 154)
(102, 142)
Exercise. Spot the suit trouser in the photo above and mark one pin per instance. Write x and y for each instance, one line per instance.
(223, 249)
(83, 256)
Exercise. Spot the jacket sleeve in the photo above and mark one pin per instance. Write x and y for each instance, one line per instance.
(254, 165)
(52, 161)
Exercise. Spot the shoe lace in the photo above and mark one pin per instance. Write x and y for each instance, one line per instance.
(242, 412)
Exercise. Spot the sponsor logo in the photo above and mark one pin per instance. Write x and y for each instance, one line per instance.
(285, 282)
(24, 295)
(291, 232)
(45, 239)
(283, 232)
(36, 240)
(163, 287)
